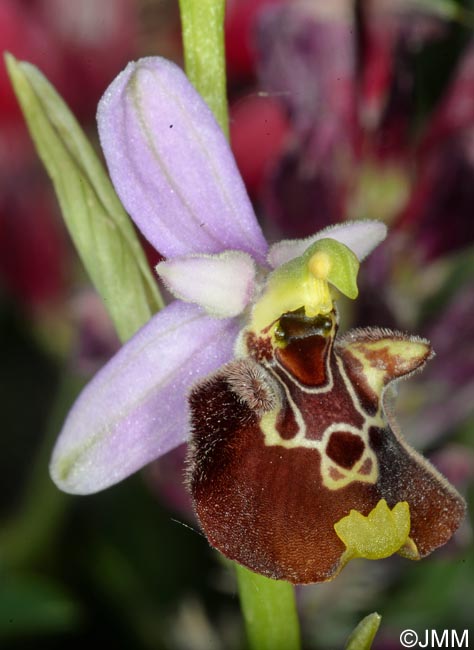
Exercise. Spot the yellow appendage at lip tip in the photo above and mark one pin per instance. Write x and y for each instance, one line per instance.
(378, 535)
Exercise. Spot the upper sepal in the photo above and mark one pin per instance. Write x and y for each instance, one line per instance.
(172, 166)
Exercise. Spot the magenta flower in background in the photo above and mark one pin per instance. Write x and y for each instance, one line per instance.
(174, 172)
(439, 212)
(349, 89)
(241, 17)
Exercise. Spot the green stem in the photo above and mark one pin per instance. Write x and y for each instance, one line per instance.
(269, 610)
(268, 606)
(204, 56)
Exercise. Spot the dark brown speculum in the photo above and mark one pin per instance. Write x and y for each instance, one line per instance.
(285, 445)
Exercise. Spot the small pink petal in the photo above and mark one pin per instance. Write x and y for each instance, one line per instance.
(221, 284)
(360, 236)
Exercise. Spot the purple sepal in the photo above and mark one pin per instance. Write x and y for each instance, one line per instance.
(172, 166)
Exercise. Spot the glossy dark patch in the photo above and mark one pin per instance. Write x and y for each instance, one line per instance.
(306, 358)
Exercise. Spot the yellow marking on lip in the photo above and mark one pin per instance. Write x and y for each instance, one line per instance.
(349, 475)
(273, 438)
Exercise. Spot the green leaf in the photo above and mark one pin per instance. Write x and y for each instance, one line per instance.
(203, 41)
(269, 611)
(101, 230)
(363, 635)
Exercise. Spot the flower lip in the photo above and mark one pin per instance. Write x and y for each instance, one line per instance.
(325, 449)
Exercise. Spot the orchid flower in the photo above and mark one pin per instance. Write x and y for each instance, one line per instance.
(247, 358)
(175, 174)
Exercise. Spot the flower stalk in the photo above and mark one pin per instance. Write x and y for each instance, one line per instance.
(269, 611)
(268, 606)
(202, 23)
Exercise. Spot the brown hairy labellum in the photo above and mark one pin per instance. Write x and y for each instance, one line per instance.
(284, 448)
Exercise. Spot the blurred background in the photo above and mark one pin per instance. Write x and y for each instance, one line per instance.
(339, 110)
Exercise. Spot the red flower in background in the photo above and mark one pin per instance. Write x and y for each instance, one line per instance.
(240, 23)
(442, 202)
(258, 131)
(79, 46)
(258, 121)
